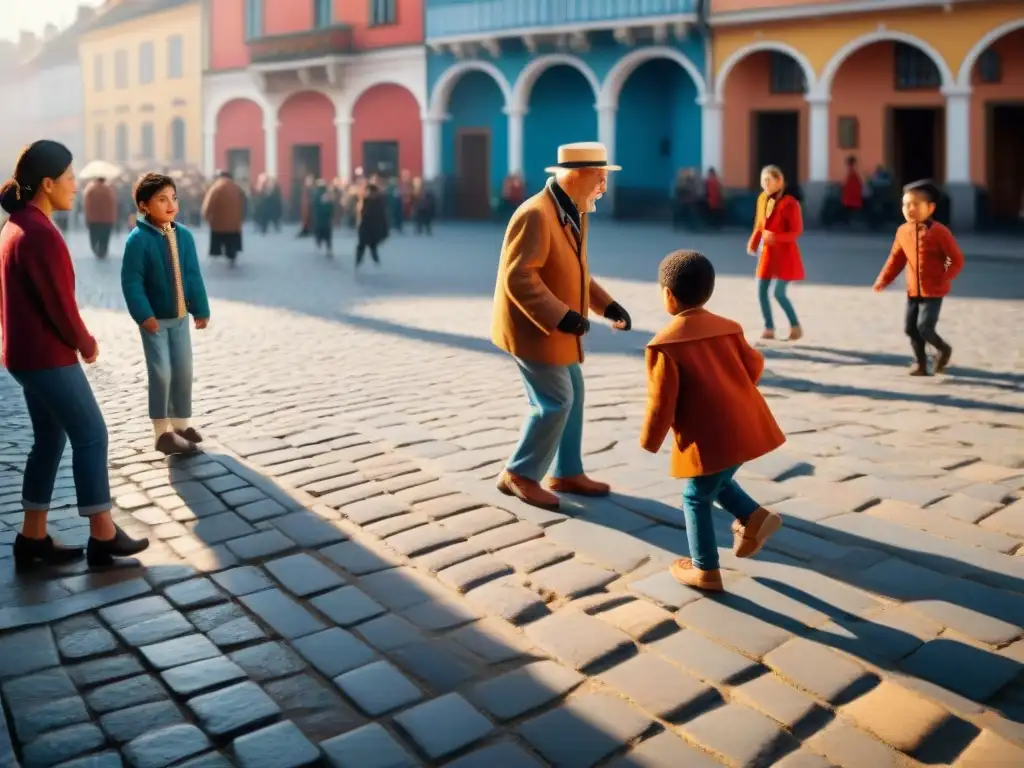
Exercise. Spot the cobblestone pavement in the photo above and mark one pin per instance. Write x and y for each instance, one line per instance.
(337, 582)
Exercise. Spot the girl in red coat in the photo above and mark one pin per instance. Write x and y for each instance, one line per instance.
(778, 223)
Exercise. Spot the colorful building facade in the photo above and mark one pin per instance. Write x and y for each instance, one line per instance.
(924, 89)
(142, 83)
(509, 82)
(314, 88)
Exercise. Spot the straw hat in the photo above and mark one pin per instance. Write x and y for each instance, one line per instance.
(582, 154)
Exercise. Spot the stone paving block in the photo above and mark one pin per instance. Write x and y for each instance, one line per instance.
(308, 529)
(803, 758)
(230, 710)
(400, 588)
(236, 632)
(194, 593)
(436, 663)
(224, 483)
(508, 600)
(220, 528)
(473, 573)
(963, 507)
(448, 556)
(703, 658)
(128, 724)
(240, 496)
(278, 746)
(181, 650)
(368, 747)
(358, 559)
(141, 689)
(815, 668)
(609, 548)
(391, 526)
(347, 606)
(199, 676)
(303, 574)
(639, 619)
(577, 639)
(260, 545)
(263, 509)
(531, 556)
(477, 521)
(971, 671)
(444, 725)
(995, 493)
(267, 661)
(61, 745)
(33, 721)
(507, 536)
(525, 689)
(441, 615)
(572, 578)
(243, 580)
(844, 745)
(845, 496)
(990, 749)
(211, 617)
(166, 746)
(491, 640)
(315, 707)
(912, 516)
(334, 651)
(897, 716)
(103, 670)
(666, 749)
(84, 638)
(779, 465)
(1009, 519)
(741, 735)
(506, 754)
(27, 651)
(378, 688)
(665, 590)
(109, 759)
(370, 510)
(732, 627)
(422, 539)
(282, 614)
(582, 731)
(659, 688)
(389, 632)
(882, 638)
(780, 701)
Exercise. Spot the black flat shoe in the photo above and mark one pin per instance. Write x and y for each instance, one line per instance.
(29, 552)
(100, 552)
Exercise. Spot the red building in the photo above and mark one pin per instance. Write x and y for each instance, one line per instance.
(320, 87)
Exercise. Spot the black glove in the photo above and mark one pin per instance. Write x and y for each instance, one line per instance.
(616, 313)
(574, 323)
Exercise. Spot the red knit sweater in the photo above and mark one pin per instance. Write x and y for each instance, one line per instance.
(39, 316)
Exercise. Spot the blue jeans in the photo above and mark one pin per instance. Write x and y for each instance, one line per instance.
(169, 364)
(61, 407)
(698, 495)
(554, 428)
(780, 296)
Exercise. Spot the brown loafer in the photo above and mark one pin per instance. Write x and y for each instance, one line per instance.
(173, 444)
(526, 490)
(795, 333)
(918, 369)
(750, 538)
(191, 434)
(580, 485)
(942, 361)
(686, 573)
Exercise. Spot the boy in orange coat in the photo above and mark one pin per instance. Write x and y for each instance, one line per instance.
(702, 385)
(933, 259)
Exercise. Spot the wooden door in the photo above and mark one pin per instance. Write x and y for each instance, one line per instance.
(1006, 161)
(473, 170)
(776, 139)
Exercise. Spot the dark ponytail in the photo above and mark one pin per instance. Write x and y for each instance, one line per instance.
(41, 160)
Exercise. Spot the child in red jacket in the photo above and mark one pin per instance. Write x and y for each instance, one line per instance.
(933, 260)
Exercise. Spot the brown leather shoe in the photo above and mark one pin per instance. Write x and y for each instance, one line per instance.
(191, 434)
(748, 539)
(171, 444)
(795, 333)
(685, 572)
(942, 361)
(580, 485)
(526, 490)
(919, 369)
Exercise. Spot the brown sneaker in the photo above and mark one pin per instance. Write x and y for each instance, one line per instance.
(191, 434)
(172, 444)
(795, 333)
(767, 334)
(943, 359)
(580, 485)
(748, 539)
(685, 572)
(918, 369)
(526, 490)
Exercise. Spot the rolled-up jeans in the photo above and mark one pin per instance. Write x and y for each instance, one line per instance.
(62, 408)
(698, 495)
(169, 365)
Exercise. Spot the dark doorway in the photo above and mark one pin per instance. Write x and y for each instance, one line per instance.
(380, 157)
(917, 144)
(1005, 162)
(239, 165)
(473, 167)
(305, 162)
(776, 140)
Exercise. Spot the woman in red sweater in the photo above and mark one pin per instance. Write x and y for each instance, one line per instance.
(43, 336)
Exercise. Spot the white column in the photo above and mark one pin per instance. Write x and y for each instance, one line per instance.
(710, 134)
(515, 139)
(270, 146)
(958, 135)
(344, 126)
(606, 127)
(818, 142)
(432, 127)
(210, 152)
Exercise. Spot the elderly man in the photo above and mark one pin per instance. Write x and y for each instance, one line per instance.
(543, 294)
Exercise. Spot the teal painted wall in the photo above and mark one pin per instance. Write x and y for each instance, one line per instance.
(477, 102)
(561, 111)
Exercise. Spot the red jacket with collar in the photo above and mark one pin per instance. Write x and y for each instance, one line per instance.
(931, 256)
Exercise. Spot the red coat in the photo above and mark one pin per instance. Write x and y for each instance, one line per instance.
(781, 258)
(852, 195)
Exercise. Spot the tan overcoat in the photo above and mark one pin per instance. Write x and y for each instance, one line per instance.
(224, 207)
(542, 275)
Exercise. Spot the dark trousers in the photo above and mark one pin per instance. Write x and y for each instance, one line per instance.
(361, 249)
(99, 239)
(922, 317)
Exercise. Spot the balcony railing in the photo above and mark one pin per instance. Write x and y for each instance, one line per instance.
(464, 18)
(311, 44)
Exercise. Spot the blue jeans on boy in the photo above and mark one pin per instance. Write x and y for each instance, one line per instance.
(698, 495)
(554, 429)
(169, 364)
(781, 297)
(62, 408)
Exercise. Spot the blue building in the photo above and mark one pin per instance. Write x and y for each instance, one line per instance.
(510, 80)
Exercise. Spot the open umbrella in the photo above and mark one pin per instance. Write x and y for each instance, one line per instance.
(99, 169)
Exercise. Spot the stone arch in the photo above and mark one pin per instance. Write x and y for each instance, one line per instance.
(442, 90)
(221, 100)
(823, 86)
(763, 45)
(520, 98)
(387, 111)
(963, 79)
(624, 67)
(416, 94)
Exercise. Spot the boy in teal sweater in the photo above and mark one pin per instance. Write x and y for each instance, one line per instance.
(162, 285)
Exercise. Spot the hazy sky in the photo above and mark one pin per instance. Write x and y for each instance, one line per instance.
(16, 15)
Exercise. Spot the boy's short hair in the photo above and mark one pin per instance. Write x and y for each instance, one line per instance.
(148, 185)
(926, 189)
(689, 276)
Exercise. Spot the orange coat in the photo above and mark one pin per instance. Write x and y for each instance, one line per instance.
(931, 256)
(99, 203)
(702, 385)
(224, 207)
(780, 258)
(542, 274)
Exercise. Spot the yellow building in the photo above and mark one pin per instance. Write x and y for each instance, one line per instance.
(142, 77)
